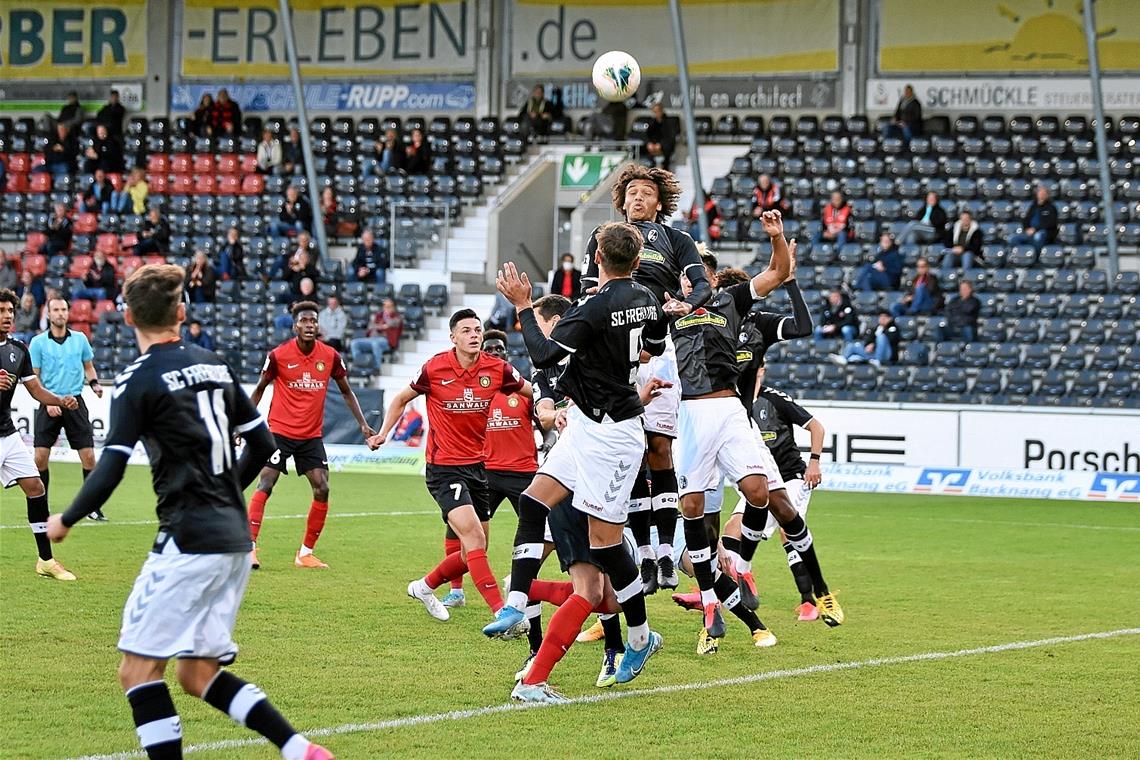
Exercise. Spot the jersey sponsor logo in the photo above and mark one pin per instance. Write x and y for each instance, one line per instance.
(701, 317)
(306, 383)
(498, 422)
(941, 480)
(768, 436)
(648, 254)
(485, 381)
(632, 316)
(1115, 485)
(466, 405)
(743, 356)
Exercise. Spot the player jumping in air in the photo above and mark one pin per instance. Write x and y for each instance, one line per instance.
(16, 464)
(459, 386)
(186, 406)
(300, 370)
(646, 197)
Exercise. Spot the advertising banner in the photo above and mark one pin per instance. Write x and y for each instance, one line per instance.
(729, 37)
(351, 38)
(582, 171)
(72, 41)
(1010, 95)
(421, 97)
(1005, 36)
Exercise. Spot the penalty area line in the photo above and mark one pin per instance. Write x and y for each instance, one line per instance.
(772, 675)
(332, 517)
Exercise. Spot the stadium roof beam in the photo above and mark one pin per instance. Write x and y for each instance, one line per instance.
(1101, 138)
(687, 116)
(306, 138)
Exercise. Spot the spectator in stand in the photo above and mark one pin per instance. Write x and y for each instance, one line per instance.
(390, 152)
(836, 220)
(609, 122)
(837, 319)
(767, 197)
(371, 261)
(99, 282)
(281, 267)
(567, 279)
(928, 225)
(333, 323)
(105, 152)
(302, 268)
(132, 198)
(295, 216)
(3, 173)
(557, 104)
(269, 159)
(155, 235)
(960, 317)
(503, 315)
(660, 138)
(32, 285)
(880, 345)
(59, 231)
(712, 218)
(199, 337)
(71, 114)
(306, 291)
(292, 155)
(537, 112)
(885, 271)
(200, 123)
(391, 323)
(907, 121)
(61, 153)
(8, 277)
(225, 116)
(376, 338)
(924, 296)
(1039, 225)
(963, 244)
(328, 210)
(98, 197)
(112, 114)
(231, 259)
(201, 282)
(27, 318)
(417, 156)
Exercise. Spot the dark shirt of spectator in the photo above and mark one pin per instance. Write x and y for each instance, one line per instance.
(296, 211)
(292, 155)
(59, 231)
(62, 151)
(202, 115)
(112, 114)
(537, 112)
(1039, 225)
(106, 152)
(201, 282)
(370, 259)
(225, 117)
(660, 137)
(29, 283)
(884, 271)
(907, 119)
(963, 311)
(101, 275)
(155, 235)
(965, 236)
(199, 337)
(231, 257)
(567, 279)
(71, 114)
(837, 312)
(418, 154)
(390, 151)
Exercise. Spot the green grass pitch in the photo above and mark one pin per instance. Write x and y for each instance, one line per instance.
(916, 575)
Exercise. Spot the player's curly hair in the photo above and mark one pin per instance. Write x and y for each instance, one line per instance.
(9, 296)
(730, 276)
(498, 335)
(302, 306)
(668, 188)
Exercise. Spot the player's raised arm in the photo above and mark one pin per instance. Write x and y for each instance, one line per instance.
(694, 269)
(780, 266)
(590, 271)
(799, 325)
(395, 410)
(515, 286)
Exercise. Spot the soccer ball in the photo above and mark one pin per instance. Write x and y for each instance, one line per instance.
(616, 76)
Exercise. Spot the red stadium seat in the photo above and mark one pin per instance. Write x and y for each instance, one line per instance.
(86, 224)
(129, 240)
(83, 327)
(16, 183)
(228, 164)
(34, 244)
(80, 265)
(34, 262)
(154, 258)
(180, 163)
(203, 163)
(40, 182)
(252, 184)
(157, 163)
(181, 184)
(116, 180)
(19, 163)
(229, 184)
(102, 307)
(249, 163)
(157, 184)
(205, 184)
(108, 243)
(81, 312)
(38, 160)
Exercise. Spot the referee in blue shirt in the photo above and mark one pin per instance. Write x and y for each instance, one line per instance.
(62, 359)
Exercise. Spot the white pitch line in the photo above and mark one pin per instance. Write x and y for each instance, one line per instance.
(334, 516)
(419, 720)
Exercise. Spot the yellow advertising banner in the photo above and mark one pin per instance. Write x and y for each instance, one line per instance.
(349, 38)
(72, 39)
(723, 37)
(1005, 36)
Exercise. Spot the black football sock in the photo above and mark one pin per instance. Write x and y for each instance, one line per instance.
(663, 486)
(700, 556)
(751, 529)
(534, 617)
(799, 574)
(729, 596)
(247, 705)
(798, 535)
(712, 527)
(86, 474)
(45, 478)
(611, 627)
(640, 517)
(626, 580)
(156, 721)
(527, 558)
(38, 514)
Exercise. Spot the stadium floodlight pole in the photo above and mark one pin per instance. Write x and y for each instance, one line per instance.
(1101, 138)
(306, 139)
(687, 115)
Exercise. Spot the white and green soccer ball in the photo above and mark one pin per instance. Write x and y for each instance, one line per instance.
(616, 76)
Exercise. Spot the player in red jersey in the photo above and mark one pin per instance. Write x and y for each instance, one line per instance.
(300, 371)
(459, 386)
(512, 456)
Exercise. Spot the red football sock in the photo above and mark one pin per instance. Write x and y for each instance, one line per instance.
(452, 566)
(256, 512)
(560, 634)
(484, 579)
(451, 546)
(555, 592)
(318, 511)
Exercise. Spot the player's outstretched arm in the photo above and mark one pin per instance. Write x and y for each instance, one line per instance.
(353, 405)
(44, 396)
(812, 476)
(780, 266)
(395, 410)
(800, 324)
(96, 490)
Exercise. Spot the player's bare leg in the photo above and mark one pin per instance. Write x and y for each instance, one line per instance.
(265, 483)
(318, 512)
(36, 496)
(663, 490)
(472, 557)
(160, 729)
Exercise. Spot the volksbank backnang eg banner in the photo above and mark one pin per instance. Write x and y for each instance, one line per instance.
(386, 97)
(76, 40)
(342, 39)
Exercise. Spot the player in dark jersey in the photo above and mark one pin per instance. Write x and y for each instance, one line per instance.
(16, 464)
(459, 386)
(300, 371)
(596, 461)
(646, 197)
(186, 406)
(715, 433)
